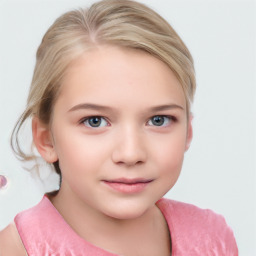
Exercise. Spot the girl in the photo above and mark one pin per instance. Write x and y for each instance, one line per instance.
(110, 108)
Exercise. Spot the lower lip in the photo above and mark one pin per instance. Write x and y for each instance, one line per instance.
(128, 188)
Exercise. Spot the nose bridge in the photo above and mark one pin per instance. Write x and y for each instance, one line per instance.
(130, 147)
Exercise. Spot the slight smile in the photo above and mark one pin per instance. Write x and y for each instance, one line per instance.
(128, 186)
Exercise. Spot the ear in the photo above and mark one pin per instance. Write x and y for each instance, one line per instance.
(189, 132)
(43, 141)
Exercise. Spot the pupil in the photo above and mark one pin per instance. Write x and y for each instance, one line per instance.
(158, 120)
(95, 121)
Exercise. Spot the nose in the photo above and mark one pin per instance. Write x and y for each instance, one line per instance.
(129, 148)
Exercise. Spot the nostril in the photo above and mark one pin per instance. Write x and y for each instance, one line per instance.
(3, 181)
(129, 162)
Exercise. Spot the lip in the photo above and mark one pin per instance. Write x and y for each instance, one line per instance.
(128, 186)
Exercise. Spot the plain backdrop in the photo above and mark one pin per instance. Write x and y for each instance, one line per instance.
(219, 169)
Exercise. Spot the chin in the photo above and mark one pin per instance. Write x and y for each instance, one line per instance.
(126, 215)
(128, 211)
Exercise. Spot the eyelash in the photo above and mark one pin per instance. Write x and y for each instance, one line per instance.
(170, 119)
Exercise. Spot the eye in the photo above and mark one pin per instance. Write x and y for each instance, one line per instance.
(95, 122)
(160, 120)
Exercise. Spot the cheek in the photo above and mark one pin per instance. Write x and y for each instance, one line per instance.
(79, 154)
(171, 148)
(169, 155)
(171, 163)
(171, 166)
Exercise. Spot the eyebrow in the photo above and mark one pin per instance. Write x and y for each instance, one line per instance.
(89, 106)
(106, 108)
(166, 107)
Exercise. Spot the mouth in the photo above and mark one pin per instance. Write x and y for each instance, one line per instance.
(128, 186)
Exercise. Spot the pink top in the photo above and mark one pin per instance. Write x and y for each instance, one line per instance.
(194, 232)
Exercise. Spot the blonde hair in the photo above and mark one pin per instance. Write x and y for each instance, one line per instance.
(123, 23)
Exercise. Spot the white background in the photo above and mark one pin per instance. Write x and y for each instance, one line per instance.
(219, 169)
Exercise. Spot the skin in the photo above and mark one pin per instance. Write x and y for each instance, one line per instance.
(127, 88)
(10, 242)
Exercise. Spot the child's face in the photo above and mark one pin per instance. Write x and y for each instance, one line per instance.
(119, 130)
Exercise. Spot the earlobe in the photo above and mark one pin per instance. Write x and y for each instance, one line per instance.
(43, 141)
(189, 132)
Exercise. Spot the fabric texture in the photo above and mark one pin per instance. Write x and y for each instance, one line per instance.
(193, 231)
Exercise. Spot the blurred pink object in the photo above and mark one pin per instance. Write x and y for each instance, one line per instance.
(3, 181)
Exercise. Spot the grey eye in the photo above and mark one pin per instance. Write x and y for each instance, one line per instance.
(95, 122)
(159, 121)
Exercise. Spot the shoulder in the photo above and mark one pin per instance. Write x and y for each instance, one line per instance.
(12, 237)
(10, 242)
(199, 226)
(27, 220)
(185, 212)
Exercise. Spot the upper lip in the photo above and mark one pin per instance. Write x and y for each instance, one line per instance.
(129, 181)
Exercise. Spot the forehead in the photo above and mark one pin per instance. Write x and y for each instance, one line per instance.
(117, 76)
